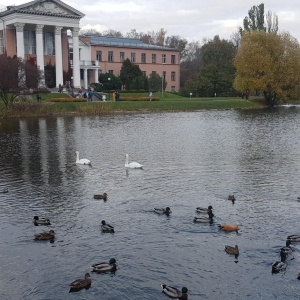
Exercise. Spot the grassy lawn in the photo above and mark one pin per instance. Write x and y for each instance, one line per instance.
(169, 103)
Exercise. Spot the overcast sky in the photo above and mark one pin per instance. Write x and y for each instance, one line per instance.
(190, 19)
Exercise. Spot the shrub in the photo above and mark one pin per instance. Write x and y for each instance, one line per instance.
(68, 100)
(139, 99)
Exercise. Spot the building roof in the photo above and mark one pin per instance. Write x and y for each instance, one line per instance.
(55, 8)
(124, 43)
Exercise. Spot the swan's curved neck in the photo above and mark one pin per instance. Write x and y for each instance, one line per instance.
(77, 155)
(127, 158)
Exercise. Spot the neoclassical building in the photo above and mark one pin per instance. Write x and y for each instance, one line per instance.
(38, 30)
(46, 32)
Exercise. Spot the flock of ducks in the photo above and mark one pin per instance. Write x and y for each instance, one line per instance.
(170, 291)
(101, 267)
(286, 253)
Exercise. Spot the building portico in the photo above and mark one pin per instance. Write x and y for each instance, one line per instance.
(37, 30)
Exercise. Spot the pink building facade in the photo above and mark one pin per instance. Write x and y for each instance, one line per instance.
(110, 52)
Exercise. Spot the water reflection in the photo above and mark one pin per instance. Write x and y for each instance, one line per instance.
(190, 160)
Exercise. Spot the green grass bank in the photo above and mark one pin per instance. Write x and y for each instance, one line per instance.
(169, 103)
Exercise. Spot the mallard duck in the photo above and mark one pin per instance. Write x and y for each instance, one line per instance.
(231, 198)
(203, 220)
(279, 266)
(294, 238)
(227, 227)
(175, 293)
(103, 267)
(45, 235)
(106, 228)
(203, 209)
(287, 249)
(79, 284)
(104, 196)
(298, 277)
(165, 211)
(232, 250)
(37, 221)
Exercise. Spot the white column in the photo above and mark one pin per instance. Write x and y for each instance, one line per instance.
(58, 57)
(76, 63)
(97, 75)
(20, 39)
(40, 52)
(85, 78)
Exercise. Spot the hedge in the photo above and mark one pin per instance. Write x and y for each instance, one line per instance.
(139, 99)
(68, 100)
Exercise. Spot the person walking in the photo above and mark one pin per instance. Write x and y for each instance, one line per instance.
(90, 96)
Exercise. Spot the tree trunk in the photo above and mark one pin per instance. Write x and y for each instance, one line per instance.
(270, 98)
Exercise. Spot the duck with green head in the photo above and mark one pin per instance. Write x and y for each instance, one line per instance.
(163, 211)
(38, 221)
(106, 228)
(175, 293)
(103, 267)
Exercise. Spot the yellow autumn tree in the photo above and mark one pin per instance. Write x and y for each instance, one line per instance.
(270, 63)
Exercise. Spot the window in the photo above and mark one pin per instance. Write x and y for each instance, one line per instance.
(154, 58)
(99, 55)
(143, 58)
(111, 71)
(122, 56)
(153, 73)
(172, 88)
(1, 42)
(144, 73)
(164, 75)
(173, 76)
(163, 57)
(132, 58)
(173, 60)
(110, 56)
(49, 43)
(29, 42)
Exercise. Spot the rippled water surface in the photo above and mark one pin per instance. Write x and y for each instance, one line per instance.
(190, 159)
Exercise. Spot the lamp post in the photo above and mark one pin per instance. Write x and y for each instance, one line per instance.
(108, 88)
(191, 95)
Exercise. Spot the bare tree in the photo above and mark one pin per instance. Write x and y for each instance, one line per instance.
(15, 74)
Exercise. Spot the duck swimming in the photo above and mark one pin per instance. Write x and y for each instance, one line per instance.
(203, 220)
(165, 211)
(79, 284)
(106, 228)
(103, 267)
(203, 209)
(229, 228)
(103, 196)
(231, 198)
(37, 221)
(232, 250)
(45, 236)
(294, 238)
(287, 248)
(279, 266)
(175, 293)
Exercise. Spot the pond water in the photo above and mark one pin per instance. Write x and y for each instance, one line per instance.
(190, 160)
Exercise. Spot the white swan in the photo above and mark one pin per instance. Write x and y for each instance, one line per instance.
(132, 165)
(82, 161)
